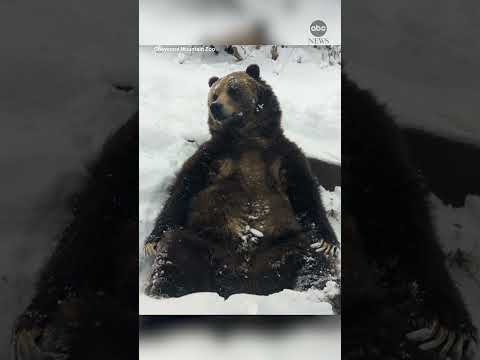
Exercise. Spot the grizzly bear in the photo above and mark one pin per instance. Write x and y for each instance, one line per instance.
(399, 300)
(245, 209)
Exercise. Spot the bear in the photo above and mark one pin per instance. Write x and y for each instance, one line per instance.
(85, 303)
(398, 297)
(244, 209)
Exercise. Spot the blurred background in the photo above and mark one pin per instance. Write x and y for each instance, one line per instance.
(62, 69)
(241, 337)
(420, 60)
(246, 22)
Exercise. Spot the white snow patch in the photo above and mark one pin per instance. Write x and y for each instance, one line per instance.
(256, 232)
(286, 302)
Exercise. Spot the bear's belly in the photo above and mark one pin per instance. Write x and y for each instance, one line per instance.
(242, 216)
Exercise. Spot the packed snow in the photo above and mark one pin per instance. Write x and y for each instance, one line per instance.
(173, 122)
(286, 302)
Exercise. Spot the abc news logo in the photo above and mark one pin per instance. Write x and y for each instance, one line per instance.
(318, 29)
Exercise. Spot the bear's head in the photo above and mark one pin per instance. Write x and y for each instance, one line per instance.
(241, 103)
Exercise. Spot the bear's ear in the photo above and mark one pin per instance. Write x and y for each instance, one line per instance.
(254, 71)
(212, 80)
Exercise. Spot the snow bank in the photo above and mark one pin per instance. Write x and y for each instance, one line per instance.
(286, 302)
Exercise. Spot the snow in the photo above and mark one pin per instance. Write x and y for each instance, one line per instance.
(173, 122)
(256, 232)
(318, 339)
(286, 302)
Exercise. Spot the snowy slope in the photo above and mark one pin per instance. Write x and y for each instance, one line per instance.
(173, 93)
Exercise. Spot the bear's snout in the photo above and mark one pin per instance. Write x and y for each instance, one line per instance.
(217, 111)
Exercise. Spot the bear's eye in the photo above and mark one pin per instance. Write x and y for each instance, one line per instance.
(233, 91)
(214, 97)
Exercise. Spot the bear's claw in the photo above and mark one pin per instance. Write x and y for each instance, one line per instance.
(25, 347)
(457, 345)
(325, 248)
(150, 249)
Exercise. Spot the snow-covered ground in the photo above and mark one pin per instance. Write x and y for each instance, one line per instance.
(286, 302)
(319, 340)
(173, 96)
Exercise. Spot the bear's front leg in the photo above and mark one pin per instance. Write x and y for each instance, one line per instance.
(181, 265)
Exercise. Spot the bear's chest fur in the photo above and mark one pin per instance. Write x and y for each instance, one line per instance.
(245, 202)
(251, 170)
